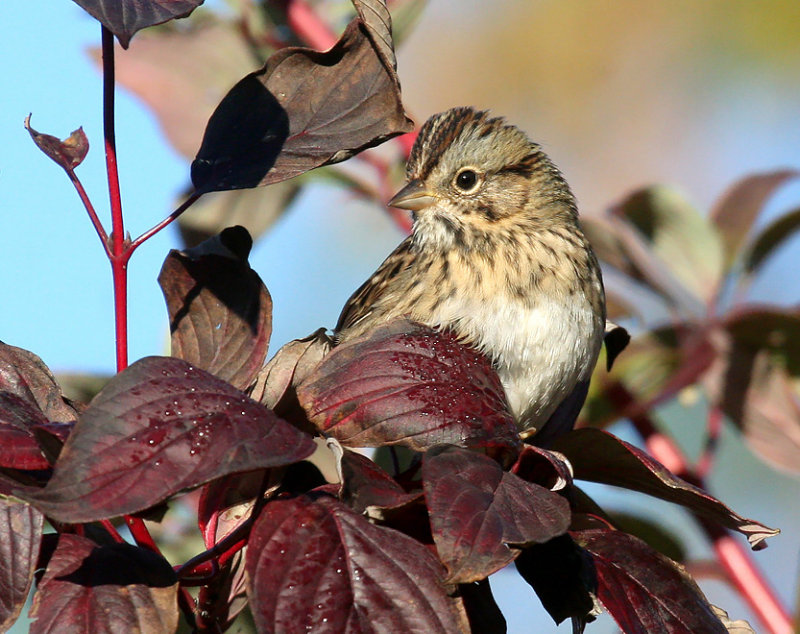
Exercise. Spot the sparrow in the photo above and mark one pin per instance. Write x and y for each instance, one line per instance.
(497, 256)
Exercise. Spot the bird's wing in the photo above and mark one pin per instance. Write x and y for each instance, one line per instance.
(563, 418)
(361, 303)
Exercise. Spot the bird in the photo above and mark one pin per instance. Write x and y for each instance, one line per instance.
(496, 255)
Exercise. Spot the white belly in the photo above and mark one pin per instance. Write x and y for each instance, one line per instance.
(540, 353)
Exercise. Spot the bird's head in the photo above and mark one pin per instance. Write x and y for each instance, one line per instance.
(470, 175)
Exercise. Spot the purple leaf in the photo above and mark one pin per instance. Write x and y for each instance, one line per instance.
(738, 208)
(315, 565)
(124, 17)
(219, 309)
(408, 384)
(477, 510)
(157, 428)
(541, 466)
(24, 374)
(20, 535)
(18, 418)
(643, 590)
(117, 588)
(366, 485)
(302, 110)
(598, 456)
(68, 153)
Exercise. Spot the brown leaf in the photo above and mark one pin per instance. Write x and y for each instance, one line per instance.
(68, 153)
(220, 312)
(302, 110)
(738, 208)
(289, 367)
(125, 17)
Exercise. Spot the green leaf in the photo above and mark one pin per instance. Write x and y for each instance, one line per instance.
(685, 241)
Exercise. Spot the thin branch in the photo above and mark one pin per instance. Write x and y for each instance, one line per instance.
(87, 203)
(167, 221)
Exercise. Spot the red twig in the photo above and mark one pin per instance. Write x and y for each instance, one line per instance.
(119, 263)
(112, 531)
(218, 555)
(167, 221)
(120, 253)
(734, 558)
(308, 26)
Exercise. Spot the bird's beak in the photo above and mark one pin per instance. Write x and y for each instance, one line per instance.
(413, 196)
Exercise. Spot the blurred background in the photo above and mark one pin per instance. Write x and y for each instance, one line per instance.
(621, 95)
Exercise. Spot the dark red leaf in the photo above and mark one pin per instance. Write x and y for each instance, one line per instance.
(477, 510)
(18, 418)
(290, 365)
(302, 110)
(117, 588)
(24, 374)
(738, 208)
(124, 17)
(315, 565)
(220, 312)
(20, 535)
(598, 456)
(226, 503)
(541, 466)
(365, 485)
(644, 591)
(68, 153)
(157, 428)
(408, 384)
(563, 577)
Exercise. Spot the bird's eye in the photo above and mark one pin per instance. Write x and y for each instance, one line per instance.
(466, 180)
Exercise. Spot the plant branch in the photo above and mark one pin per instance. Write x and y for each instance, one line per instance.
(167, 221)
(87, 203)
(119, 263)
(733, 557)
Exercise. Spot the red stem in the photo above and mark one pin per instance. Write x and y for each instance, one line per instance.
(112, 531)
(119, 261)
(734, 558)
(308, 26)
(120, 253)
(221, 552)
